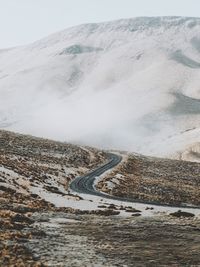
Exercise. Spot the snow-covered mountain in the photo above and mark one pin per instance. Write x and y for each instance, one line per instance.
(131, 84)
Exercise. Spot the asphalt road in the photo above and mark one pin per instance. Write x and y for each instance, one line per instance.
(85, 184)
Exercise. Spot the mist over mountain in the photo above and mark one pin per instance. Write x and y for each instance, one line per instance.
(130, 84)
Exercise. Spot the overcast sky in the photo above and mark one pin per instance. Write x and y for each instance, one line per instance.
(24, 21)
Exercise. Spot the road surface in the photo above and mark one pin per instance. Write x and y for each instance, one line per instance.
(85, 185)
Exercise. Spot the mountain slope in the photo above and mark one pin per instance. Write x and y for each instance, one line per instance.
(129, 84)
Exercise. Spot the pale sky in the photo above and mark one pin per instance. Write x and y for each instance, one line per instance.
(25, 21)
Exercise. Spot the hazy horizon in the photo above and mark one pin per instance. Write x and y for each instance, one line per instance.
(26, 21)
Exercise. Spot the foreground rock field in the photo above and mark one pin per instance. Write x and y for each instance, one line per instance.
(35, 232)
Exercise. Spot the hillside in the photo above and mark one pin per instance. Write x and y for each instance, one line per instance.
(129, 84)
(43, 223)
(34, 169)
(158, 180)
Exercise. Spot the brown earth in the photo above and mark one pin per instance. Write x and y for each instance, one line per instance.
(34, 232)
(157, 180)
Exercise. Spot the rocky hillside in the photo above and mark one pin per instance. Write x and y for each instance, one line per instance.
(155, 180)
(35, 232)
(37, 170)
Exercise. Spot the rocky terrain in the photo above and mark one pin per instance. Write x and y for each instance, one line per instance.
(155, 180)
(30, 168)
(63, 239)
(35, 231)
(33, 166)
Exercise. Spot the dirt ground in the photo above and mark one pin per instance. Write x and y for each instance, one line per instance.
(64, 239)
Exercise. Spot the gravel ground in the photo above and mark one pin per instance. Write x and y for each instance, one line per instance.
(61, 239)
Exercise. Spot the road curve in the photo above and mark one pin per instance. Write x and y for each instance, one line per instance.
(85, 184)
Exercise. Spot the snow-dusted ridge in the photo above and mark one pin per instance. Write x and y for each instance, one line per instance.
(131, 84)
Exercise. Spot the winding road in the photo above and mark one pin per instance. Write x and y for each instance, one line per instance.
(85, 185)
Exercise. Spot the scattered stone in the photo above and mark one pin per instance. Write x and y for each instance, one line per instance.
(102, 206)
(180, 214)
(107, 212)
(136, 214)
(149, 208)
(112, 206)
(132, 210)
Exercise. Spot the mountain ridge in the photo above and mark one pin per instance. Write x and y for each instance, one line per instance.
(127, 84)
